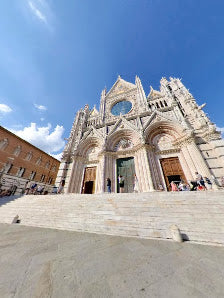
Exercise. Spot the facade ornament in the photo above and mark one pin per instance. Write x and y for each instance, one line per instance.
(151, 131)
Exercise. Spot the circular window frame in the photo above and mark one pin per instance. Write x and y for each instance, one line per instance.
(121, 100)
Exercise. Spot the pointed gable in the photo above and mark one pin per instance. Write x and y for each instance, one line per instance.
(121, 125)
(120, 86)
(94, 112)
(154, 93)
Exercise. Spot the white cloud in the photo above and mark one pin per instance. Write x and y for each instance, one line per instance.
(57, 156)
(41, 119)
(40, 107)
(221, 129)
(44, 138)
(4, 108)
(37, 12)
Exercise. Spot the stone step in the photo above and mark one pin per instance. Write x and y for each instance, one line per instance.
(199, 215)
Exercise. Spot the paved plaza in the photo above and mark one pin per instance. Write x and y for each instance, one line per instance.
(43, 263)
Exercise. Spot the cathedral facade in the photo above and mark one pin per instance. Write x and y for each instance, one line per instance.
(163, 137)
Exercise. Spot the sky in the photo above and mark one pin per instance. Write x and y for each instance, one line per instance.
(56, 56)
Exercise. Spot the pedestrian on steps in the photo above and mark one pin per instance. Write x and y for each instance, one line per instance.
(108, 185)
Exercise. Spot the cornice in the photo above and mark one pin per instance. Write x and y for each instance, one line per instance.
(174, 150)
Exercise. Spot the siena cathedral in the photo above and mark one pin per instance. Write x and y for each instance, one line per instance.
(160, 138)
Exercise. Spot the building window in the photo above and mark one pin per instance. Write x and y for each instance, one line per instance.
(20, 172)
(32, 175)
(8, 167)
(157, 105)
(17, 151)
(53, 169)
(50, 180)
(161, 104)
(38, 162)
(165, 103)
(29, 156)
(47, 165)
(3, 144)
(42, 178)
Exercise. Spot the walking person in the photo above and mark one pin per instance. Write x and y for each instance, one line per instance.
(108, 185)
(121, 183)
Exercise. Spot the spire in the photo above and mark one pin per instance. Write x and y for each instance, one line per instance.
(102, 103)
(141, 94)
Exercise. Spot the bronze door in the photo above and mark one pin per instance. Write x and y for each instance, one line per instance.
(88, 185)
(126, 168)
(172, 171)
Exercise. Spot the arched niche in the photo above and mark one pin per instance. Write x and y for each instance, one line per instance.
(90, 148)
(123, 140)
(163, 134)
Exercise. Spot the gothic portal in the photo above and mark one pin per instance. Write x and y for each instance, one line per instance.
(162, 137)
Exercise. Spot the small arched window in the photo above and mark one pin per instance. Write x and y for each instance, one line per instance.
(29, 156)
(47, 165)
(165, 104)
(39, 160)
(157, 105)
(17, 151)
(4, 143)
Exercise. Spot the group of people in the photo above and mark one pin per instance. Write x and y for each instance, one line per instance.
(121, 184)
(34, 189)
(199, 183)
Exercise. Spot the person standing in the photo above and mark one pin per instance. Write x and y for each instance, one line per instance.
(136, 188)
(174, 186)
(208, 183)
(200, 180)
(121, 183)
(108, 185)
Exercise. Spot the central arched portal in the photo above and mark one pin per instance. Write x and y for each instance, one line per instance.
(126, 168)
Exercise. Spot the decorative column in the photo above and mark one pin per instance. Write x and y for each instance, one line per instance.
(75, 181)
(201, 166)
(100, 176)
(109, 170)
(189, 164)
(145, 176)
(148, 170)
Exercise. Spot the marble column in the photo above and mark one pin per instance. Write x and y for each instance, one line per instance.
(201, 166)
(184, 162)
(145, 176)
(100, 175)
(189, 160)
(199, 161)
(148, 170)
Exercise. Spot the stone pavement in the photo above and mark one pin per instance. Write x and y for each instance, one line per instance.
(37, 262)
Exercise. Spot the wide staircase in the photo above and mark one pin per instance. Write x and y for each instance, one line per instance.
(198, 215)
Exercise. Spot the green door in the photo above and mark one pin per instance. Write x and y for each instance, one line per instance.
(126, 168)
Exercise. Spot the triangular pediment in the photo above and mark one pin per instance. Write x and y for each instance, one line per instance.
(157, 117)
(94, 112)
(92, 132)
(122, 124)
(120, 86)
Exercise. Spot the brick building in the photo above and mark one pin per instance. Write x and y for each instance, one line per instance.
(21, 162)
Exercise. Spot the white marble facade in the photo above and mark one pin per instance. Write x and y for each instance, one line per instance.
(165, 124)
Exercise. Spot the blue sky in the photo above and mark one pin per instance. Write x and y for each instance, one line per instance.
(56, 56)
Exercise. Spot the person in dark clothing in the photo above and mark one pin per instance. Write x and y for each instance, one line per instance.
(108, 185)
